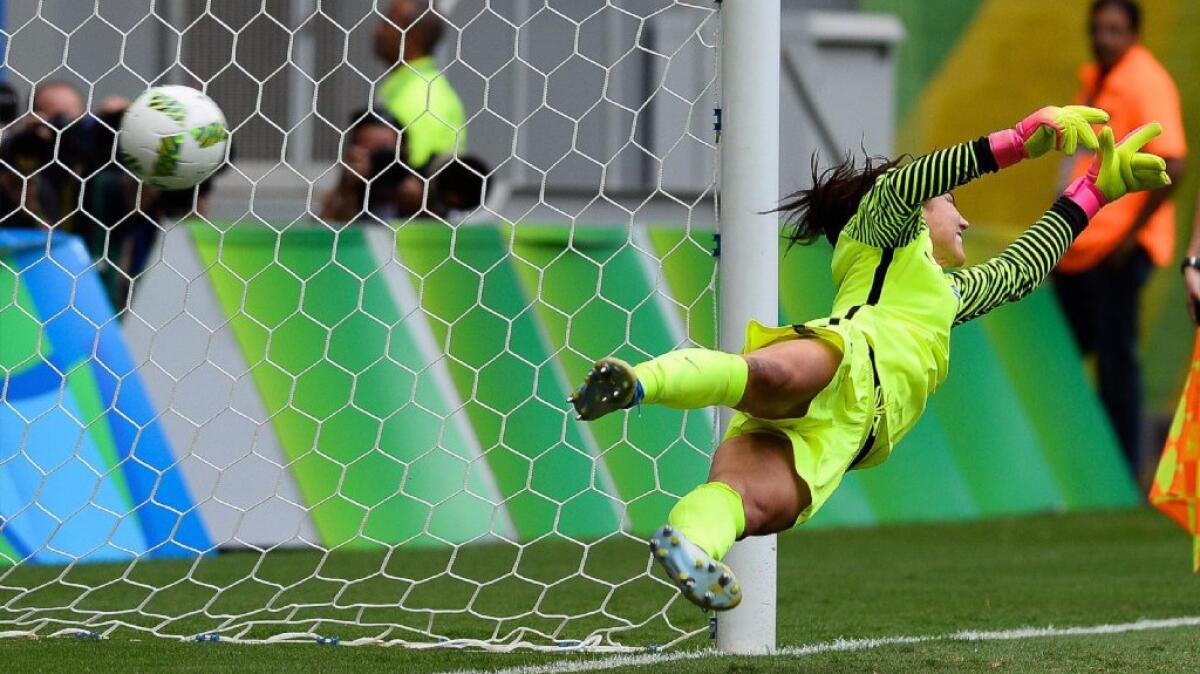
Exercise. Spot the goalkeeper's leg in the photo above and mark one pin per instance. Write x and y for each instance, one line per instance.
(753, 490)
(776, 382)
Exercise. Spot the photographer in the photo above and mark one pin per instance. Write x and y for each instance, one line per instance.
(45, 157)
(372, 174)
(377, 185)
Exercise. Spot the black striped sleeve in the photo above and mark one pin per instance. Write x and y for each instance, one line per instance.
(1014, 273)
(890, 213)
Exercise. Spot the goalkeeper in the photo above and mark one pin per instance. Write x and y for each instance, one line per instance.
(834, 394)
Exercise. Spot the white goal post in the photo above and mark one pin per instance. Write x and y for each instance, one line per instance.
(749, 261)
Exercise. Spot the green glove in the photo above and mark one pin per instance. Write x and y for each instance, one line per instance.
(1051, 128)
(1120, 169)
(1069, 126)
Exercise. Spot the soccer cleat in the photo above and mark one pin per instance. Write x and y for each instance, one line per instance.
(609, 386)
(704, 581)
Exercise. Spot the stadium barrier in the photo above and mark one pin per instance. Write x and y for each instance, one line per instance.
(335, 409)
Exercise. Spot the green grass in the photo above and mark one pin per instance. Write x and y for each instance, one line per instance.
(898, 580)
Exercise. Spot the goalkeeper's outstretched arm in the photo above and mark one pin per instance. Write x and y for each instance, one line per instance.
(1117, 170)
(1023, 265)
(890, 213)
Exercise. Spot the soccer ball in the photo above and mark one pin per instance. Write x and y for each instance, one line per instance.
(173, 137)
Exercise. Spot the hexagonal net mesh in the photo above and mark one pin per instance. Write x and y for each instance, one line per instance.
(322, 395)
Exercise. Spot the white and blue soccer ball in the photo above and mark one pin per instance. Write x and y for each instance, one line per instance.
(173, 137)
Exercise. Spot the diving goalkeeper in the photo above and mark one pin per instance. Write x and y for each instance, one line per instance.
(819, 399)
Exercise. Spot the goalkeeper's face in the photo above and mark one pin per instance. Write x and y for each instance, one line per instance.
(946, 227)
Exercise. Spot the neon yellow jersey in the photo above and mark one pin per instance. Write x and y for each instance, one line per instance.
(901, 300)
(420, 97)
(890, 288)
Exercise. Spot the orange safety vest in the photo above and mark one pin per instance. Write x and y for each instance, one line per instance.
(1138, 90)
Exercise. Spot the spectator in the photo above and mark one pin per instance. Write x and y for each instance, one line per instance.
(45, 157)
(416, 94)
(377, 183)
(57, 100)
(374, 182)
(62, 161)
(1100, 279)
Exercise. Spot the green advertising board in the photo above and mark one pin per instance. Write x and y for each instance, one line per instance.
(415, 379)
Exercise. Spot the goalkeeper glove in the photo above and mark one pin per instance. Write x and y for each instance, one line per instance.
(1119, 169)
(1051, 128)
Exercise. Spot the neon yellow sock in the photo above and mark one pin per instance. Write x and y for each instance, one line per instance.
(693, 378)
(711, 516)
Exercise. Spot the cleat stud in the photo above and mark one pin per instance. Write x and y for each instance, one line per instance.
(708, 597)
(712, 568)
(661, 552)
(674, 540)
(683, 576)
(699, 564)
(735, 590)
(667, 531)
(690, 583)
(724, 579)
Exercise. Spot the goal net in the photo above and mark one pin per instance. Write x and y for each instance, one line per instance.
(281, 425)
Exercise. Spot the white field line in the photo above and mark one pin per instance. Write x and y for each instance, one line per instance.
(646, 659)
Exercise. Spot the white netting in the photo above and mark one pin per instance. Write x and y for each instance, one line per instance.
(303, 429)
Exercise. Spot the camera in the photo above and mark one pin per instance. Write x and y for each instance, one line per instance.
(456, 183)
(82, 145)
(386, 174)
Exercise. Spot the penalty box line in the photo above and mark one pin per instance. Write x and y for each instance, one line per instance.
(842, 645)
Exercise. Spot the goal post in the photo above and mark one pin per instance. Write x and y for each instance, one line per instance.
(749, 259)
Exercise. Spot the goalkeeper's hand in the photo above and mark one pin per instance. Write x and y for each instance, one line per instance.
(1051, 128)
(1119, 169)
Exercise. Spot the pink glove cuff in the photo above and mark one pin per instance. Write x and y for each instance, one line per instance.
(1007, 147)
(1086, 195)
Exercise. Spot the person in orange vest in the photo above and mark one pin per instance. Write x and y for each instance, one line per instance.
(1100, 279)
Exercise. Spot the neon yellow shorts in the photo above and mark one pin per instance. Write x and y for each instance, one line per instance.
(827, 438)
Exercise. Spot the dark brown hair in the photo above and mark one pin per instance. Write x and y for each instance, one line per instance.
(1132, 10)
(824, 208)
